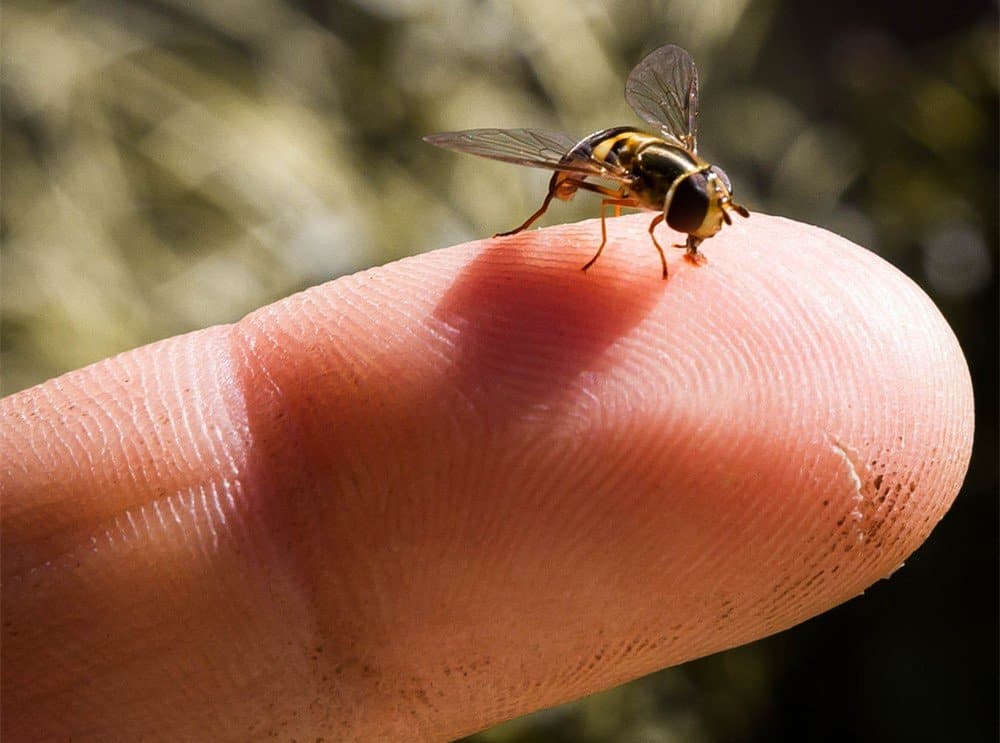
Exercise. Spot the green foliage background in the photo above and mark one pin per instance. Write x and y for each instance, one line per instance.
(175, 164)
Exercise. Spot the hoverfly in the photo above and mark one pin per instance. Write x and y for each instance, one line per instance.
(661, 172)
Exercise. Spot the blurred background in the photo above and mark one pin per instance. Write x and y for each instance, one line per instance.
(173, 164)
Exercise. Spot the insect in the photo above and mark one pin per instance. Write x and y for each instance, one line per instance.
(662, 172)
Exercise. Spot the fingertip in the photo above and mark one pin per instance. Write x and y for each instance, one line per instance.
(792, 358)
(795, 399)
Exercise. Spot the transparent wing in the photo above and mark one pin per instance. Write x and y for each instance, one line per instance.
(532, 147)
(663, 90)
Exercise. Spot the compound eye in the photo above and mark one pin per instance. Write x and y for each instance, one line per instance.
(721, 175)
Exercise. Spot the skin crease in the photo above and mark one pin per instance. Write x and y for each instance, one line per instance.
(419, 500)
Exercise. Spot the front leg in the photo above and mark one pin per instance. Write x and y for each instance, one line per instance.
(692, 255)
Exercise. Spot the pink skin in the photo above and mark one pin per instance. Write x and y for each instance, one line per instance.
(429, 497)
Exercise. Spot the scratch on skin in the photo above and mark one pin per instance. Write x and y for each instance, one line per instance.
(849, 458)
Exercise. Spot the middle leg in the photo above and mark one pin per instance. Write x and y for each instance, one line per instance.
(618, 203)
(652, 226)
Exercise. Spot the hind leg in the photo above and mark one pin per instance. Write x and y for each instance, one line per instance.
(553, 185)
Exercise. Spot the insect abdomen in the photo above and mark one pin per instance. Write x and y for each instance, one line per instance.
(617, 146)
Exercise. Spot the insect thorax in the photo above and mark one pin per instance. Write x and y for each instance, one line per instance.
(657, 166)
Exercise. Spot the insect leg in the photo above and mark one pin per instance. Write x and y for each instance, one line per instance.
(554, 184)
(652, 226)
(614, 193)
(692, 255)
(617, 203)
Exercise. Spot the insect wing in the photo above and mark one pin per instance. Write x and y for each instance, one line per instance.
(532, 147)
(663, 90)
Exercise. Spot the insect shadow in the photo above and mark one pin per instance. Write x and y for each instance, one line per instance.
(525, 327)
